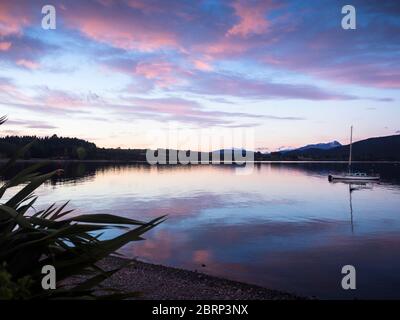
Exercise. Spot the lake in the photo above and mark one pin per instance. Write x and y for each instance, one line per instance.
(283, 225)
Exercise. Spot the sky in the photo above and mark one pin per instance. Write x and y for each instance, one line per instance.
(127, 73)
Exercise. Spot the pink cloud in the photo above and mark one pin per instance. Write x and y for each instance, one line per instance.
(23, 51)
(129, 31)
(379, 74)
(13, 18)
(106, 3)
(202, 65)
(162, 72)
(224, 47)
(67, 100)
(370, 61)
(146, 6)
(10, 93)
(177, 109)
(4, 46)
(252, 18)
(6, 86)
(16, 46)
(150, 73)
(29, 64)
(47, 101)
(32, 124)
(171, 106)
(372, 74)
(231, 85)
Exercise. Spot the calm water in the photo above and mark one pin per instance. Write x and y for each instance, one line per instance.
(283, 226)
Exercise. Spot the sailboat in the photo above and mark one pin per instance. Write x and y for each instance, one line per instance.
(353, 176)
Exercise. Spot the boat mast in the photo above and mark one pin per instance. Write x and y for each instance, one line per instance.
(351, 208)
(351, 147)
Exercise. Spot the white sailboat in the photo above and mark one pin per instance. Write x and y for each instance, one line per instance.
(353, 176)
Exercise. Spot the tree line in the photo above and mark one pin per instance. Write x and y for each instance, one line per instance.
(62, 148)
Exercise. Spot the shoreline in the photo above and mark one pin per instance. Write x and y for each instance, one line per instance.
(199, 163)
(158, 282)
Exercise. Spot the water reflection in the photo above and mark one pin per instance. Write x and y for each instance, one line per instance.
(354, 186)
(283, 226)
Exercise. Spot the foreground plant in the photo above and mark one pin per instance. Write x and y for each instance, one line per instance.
(32, 239)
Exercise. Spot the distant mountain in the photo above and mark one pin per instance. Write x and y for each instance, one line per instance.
(321, 146)
(222, 151)
(372, 149)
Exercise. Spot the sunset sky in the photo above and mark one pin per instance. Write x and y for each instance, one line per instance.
(114, 72)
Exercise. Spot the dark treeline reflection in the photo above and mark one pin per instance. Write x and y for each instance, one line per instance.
(75, 171)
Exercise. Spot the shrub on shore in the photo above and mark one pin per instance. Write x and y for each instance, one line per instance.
(31, 239)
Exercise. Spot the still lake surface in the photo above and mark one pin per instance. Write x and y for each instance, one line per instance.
(283, 225)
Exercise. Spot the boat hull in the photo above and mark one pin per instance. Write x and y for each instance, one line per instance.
(353, 178)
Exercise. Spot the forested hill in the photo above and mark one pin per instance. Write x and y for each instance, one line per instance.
(64, 149)
(372, 149)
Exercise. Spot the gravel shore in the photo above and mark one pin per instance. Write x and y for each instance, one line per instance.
(157, 282)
